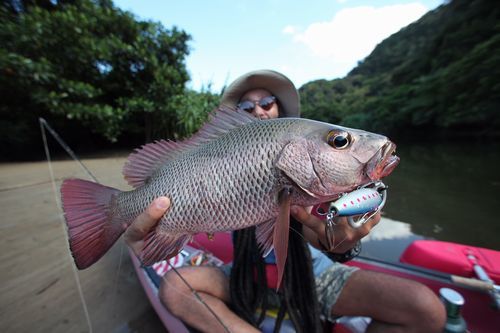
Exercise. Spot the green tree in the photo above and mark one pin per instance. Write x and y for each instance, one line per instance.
(439, 74)
(91, 62)
(193, 109)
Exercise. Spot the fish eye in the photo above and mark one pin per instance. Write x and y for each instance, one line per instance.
(339, 139)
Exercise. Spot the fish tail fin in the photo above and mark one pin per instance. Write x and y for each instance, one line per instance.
(92, 223)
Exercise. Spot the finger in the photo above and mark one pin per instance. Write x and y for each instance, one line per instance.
(366, 228)
(304, 217)
(147, 220)
(373, 221)
(361, 232)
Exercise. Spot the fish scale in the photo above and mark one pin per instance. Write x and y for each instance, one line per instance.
(236, 172)
(256, 183)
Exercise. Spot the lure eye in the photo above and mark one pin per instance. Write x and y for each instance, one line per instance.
(339, 139)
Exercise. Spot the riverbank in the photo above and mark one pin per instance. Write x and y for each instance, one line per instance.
(37, 280)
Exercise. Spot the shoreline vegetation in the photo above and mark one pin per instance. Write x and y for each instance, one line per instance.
(106, 80)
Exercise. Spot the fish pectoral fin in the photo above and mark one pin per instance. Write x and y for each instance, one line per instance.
(281, 232)
(162, 246)
(264, 236)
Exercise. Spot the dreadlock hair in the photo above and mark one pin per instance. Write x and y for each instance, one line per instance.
(248, 284)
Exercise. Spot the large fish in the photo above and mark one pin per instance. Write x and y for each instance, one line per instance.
(236, 172)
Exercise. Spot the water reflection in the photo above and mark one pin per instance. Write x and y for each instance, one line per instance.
(448, 192)
(388, 240)
(389, 229)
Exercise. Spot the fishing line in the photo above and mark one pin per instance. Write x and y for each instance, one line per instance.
(194, 292)
(198, 297)
(115, 284)
(43, 123)
(302, 236)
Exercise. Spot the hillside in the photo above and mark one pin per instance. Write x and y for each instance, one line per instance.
(440, 74)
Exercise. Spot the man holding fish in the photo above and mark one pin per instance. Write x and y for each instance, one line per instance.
(313, 286)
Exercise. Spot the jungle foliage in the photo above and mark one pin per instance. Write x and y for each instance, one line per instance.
(440, 74)
(104, 78)
(93, 70)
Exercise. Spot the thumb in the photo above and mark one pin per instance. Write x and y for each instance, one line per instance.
(147, 220)
(302, 215)
(158, 207)
(299, 213)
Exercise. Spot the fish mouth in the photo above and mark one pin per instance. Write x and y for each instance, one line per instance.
(383, 162)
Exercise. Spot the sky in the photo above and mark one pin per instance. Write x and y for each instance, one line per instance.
(305, 40)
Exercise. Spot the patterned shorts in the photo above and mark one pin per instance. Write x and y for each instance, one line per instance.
(329, 285)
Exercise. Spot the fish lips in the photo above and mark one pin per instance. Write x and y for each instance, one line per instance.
(383, 162)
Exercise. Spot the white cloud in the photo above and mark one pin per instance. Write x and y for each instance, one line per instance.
(289, 30)
(354, 32)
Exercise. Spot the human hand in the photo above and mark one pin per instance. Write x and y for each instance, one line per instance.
(345, 237)
(144, 223)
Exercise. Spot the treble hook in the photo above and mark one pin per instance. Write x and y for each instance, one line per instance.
(329, 230)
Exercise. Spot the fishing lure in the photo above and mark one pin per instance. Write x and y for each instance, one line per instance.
(358, 206)
(365, 201)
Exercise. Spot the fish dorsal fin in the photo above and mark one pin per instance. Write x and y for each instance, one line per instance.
(144, 161)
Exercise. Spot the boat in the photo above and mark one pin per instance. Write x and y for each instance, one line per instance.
(436, 264)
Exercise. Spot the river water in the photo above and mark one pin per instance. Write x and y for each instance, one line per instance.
(443, 191)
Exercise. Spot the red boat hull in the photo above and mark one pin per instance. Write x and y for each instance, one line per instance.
(453, 258)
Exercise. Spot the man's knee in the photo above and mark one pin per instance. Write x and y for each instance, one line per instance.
(431, 309)
(392, 300)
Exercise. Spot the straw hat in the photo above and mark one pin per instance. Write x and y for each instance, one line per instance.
(276, 83)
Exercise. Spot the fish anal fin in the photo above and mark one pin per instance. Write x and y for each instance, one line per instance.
(160, 246)
(281, 232)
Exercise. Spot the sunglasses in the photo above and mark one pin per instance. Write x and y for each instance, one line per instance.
(266, 103)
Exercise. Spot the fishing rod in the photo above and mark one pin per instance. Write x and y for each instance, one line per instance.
(485, 278)
(45, 126)
(486, 286)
